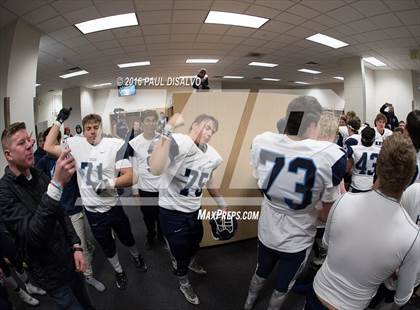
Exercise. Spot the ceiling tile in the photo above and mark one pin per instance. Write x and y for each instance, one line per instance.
(386, 20)
(411, 17)
(323, 5)
(326, 20)
(254, 42)
(314, 26)
(76, 42)
(45, 41)
(277, 26)
(127, 32)
(156, 29)
(20, 7)
(82, 15)
(290, 18)
(401, 4)
(156, 39)
(65, 33)
(265, 35)
(131, 41)
(345, 14)
(154, 17)
(102, 45)
(183, 37)
(155, 5)
(398, 32)
(134, 48)
(231, 39)
(301, 32)
(186, 28)
(53, 24)
(65, 6)
(344, 29)
(240, 31)
(105, 35)
(214, 29)
(188, 16)
(303, 11)
(415, 30)
(192, 5)
(109, 8)
(261, 11)
(376, 35)
(6, 17)
(363, 25)
(208, 38)
(371, 7)
(229, 6)
(275, 4)
(41, 14)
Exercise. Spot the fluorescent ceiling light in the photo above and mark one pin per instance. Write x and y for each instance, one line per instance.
(110, 22)
(233, 77)
(270, 79)
(302, 83)
(134, 64)
(36, 85)
(326, 40)
(310, 71)
(262, 64)
(374, 61)
(102, 84)
(69, 75)
(339, 78)
(201, 61)
(235, 19)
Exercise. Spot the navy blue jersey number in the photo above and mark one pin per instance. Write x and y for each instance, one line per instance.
(304, 189)
(363, 163)
(87, 168)
(192, 176)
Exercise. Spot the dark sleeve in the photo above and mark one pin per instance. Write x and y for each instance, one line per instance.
(42, 165)
(382, 109)
(349, 152)
(339, 170)
(340, 140)
(350, 141)
(33, 228)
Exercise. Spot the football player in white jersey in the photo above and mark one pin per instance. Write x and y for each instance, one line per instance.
(294, 172)
(362, 162)
(381, 131)
(369, 236)
(186, 164)
(147, 187)
(98, 162)
(353, 126)
(412, 127)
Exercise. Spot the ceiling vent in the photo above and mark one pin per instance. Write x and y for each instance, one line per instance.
(73, 69)
(255, 55)
(312, 63)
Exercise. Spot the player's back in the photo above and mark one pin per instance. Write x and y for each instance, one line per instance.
(293, 175)
(364, 158)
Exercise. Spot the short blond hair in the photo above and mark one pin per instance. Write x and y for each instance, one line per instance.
(328, 126)
(396, 163)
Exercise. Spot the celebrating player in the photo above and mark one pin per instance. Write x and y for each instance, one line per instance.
(294, 172)
(98, 161)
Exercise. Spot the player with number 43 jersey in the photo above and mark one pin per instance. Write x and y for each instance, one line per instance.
(294, 172)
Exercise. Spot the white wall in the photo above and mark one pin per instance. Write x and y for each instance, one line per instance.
(49, 104)
(371, 109)
(396, 87)
(87, 99)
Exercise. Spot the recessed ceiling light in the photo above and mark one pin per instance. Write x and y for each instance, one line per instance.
(73, 74)
(201, 60)
(134, 64)
(235, 19)
(326, 40)
(262, 64)
(339, 78)
(310, 71)
(110, 22)
(36, 85)
(270, 79)
(302, 83)
(102, 84)
(232, 77)
(374, 61)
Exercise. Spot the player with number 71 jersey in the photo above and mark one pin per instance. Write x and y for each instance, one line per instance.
(294, 176)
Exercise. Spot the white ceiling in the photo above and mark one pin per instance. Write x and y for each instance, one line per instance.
(171, 31)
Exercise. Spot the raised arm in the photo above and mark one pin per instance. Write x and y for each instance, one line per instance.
(50, 146)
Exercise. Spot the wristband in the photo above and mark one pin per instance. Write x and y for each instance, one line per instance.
(220, 202)
(57, 123)
(75, 249)
(111, 183)
(167, 131)
(56, 185)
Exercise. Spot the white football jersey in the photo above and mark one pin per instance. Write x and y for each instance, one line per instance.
(146, 180)
(344, 132)
(368, 236)
(181, 185)
(294, 176)
(364, 163)
(379, 138)
(95, 163)
(352, 140)
(417, 175)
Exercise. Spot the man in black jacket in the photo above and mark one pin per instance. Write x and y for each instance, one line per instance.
(392, 120)
(30, 209)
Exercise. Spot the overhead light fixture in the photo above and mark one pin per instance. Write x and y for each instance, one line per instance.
(235, 19)
(326, 40)
(262, 64)
(102, 84)
(309, 71)
(232, 77)
(201, 60)
(73, 74)
(110, 22)
(36, 85)
(339, 78)
(270, 79)
(134, 64)
(374, 61)
(302, 83)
